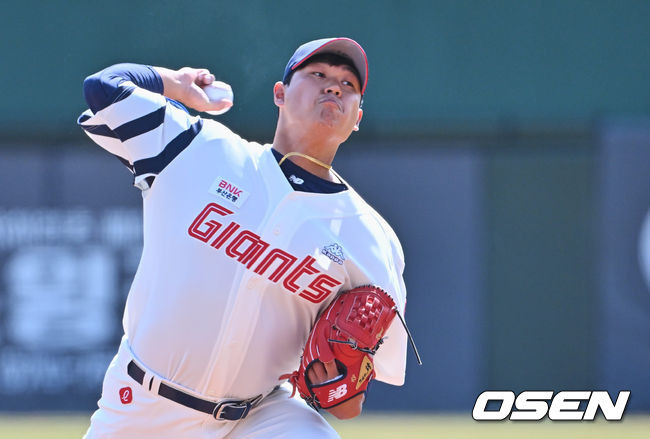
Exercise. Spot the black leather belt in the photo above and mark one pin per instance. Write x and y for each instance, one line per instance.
(231, 410)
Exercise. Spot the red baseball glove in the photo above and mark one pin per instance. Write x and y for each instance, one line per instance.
(349, 331)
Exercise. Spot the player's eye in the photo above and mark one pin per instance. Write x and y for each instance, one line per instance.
(348, 84)
(318, 74)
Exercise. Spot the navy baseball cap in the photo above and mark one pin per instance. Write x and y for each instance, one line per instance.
(344, 47)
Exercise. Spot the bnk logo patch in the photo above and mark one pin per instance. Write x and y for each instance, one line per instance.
(228, 191)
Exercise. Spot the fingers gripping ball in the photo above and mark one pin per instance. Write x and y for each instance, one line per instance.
(349, 331)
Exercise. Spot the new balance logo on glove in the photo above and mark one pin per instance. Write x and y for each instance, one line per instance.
(337, 393)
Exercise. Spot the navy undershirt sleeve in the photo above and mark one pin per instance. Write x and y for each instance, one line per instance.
(103, 88)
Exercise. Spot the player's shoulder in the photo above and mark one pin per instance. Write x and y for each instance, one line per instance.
(222, 136)
(214, 130)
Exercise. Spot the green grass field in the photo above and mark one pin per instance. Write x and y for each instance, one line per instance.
(375, 426)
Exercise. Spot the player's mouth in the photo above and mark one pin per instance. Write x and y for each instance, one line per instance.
(327, 100)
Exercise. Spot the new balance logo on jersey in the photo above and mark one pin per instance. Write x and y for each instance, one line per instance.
(228, 191)
(295, 179)
(334, 252)
(247, 248)
(337, 393)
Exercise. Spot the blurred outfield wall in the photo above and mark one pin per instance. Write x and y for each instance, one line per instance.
(436, 67)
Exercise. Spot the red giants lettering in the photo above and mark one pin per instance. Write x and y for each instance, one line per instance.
(247, 248)
(205, 233)
(321, 285)
(305, 267)
(251, 253)
(287, 261)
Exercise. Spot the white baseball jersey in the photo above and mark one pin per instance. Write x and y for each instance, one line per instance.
(236, 265)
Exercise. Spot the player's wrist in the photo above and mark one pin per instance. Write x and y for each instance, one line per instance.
(176, 83)
(348, 409)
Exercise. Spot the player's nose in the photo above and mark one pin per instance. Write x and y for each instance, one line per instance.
(334, 88)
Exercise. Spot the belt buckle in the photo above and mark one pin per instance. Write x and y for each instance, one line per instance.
(219, 409)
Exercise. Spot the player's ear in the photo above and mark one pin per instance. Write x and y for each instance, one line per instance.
(356, 125)
(278, 93)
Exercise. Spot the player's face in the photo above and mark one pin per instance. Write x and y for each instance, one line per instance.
(325, 94)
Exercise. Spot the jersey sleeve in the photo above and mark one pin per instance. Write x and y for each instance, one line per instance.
(129, 117)
(390, 359)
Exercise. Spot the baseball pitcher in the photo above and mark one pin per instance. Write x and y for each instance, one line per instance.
(263, 272)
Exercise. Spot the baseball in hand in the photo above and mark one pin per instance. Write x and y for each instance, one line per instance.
(218, 91)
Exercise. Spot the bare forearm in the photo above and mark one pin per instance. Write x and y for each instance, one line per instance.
(176, 84)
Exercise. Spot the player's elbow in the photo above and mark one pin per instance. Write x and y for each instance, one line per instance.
(102, 88)
(93, 92)
(349, 409)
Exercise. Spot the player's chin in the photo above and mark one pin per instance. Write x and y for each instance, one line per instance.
(349, 409)
(337, 124)
(331, 118)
